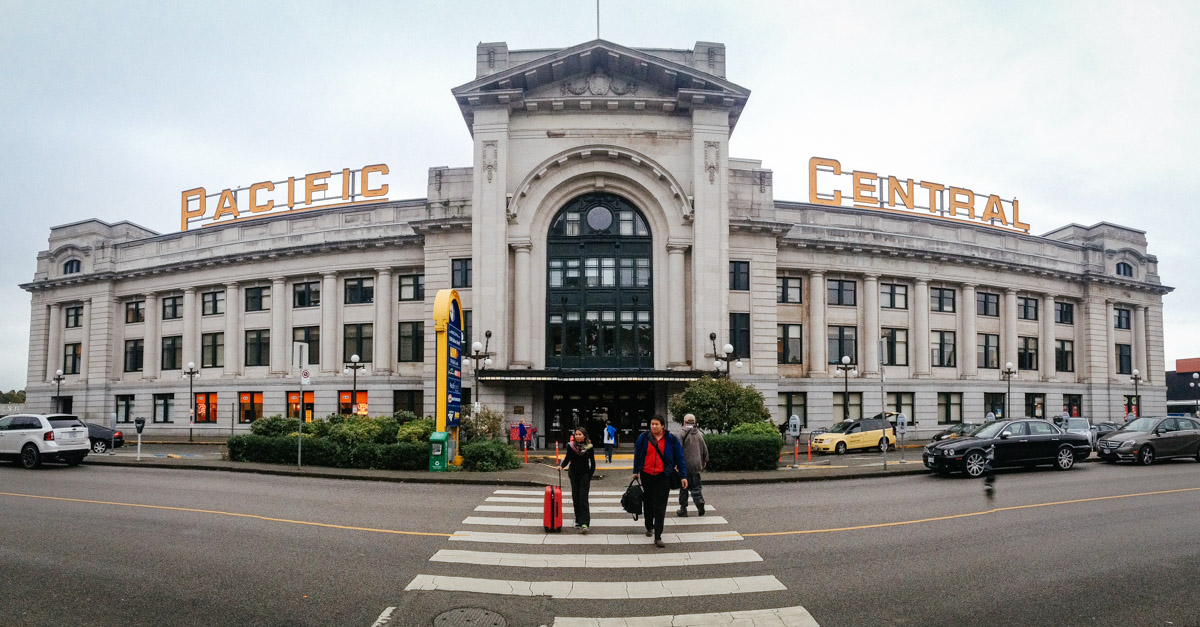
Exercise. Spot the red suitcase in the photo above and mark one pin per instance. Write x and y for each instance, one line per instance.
(552, 507)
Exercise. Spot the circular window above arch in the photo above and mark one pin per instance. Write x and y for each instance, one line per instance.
(599, 215)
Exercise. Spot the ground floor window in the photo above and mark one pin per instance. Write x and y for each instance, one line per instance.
(794, 404)
(162, 407)
(1035, 405)
(356, 406)
(1132, 407)
(124, 408)
(1073, 404)
(250, 406)
(949, 407)
(299, 403)
(64, 404)
(847, 406)
(902, 403)
(206, 407)
(410, 401)
(993, 403)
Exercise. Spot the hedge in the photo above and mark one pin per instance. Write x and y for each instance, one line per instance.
(742, 451)
(489, 455)
(323, 452)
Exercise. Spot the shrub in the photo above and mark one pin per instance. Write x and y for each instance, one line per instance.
(404, 456)
(758, 428)
(415, 431)
(356, 430)
(388, 426)
(324, 452)
(743, 451)
(489, 455)
(486, 424)
(404, 416)
(719, 404)
(274, 426)
(318, 428)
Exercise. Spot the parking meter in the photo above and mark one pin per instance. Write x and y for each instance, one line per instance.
(139, 424)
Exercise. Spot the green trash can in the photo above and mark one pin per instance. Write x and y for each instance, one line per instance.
(439, 450)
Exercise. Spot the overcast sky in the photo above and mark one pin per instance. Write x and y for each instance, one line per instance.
(1085, 111)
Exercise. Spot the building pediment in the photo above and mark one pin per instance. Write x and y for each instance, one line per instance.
(601, 76)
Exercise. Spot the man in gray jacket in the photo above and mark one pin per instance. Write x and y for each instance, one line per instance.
(695, 455)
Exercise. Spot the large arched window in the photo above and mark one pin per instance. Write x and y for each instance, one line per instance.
(1124, 269)
(72, 266)
(600, 305)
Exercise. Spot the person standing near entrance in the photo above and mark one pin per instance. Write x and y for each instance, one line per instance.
(522, 431)
(656, 455)
(580, 462)
(610, 440)
(695, 453)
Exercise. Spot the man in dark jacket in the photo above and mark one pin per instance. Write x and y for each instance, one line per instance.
(656, 454)
(695, 453)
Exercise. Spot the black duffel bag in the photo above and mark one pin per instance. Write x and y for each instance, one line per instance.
(631, 501)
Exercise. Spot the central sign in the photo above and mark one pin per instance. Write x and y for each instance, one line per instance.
(447, 325)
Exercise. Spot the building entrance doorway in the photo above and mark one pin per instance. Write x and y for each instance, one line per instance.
(577, 404)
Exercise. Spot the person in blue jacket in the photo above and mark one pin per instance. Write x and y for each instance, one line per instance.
(656, 455)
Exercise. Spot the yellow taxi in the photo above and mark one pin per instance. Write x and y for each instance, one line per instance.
(866, 433)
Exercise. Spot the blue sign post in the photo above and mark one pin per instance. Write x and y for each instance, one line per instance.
(447, 324)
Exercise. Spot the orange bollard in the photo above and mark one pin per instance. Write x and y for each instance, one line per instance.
(526, 455)
(810, 451)
(556, 453)
(796, 456)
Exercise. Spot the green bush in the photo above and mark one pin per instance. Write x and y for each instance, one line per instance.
(489, 455)
(743, 451)
(415, 431)
(324, 452)
(404, 416)
(758, 428)
(718, 404)
(356, 430)
(388, 426)
(274, 426)
(318, 428)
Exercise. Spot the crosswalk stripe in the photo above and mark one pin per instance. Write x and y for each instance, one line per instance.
(601, 589)
(526, 509)
(596, 522)
(542, 492)
(790, 616)
(532, 499)
(592, 538)
(594, 560)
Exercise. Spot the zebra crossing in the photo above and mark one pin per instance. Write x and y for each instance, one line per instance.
(503, 538)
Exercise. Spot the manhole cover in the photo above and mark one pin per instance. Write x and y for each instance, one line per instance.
(469, 617)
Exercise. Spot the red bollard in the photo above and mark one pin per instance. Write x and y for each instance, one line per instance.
(810, 451)
(796, 456)
(556, 453)
(526, 455)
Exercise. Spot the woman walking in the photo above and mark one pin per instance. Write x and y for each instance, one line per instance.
(580, 462)
(657, 455)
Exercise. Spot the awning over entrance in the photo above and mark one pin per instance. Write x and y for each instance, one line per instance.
(589, 375)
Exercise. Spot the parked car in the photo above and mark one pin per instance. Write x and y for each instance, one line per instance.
(1147, 439)
(1101, 429)
(1026, 442)
(102, 438)
(856, 434)
(955, 431)
(30, 439)
(1080, 426)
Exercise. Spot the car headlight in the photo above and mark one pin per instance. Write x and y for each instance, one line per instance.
(949, 452)
(1127, 444)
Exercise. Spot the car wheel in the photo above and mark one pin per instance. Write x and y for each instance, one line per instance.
(1146, 455)
(840, 449)
(30, 456)
(1065, 459)
(883, 445)
(973, 464)
(99, 446)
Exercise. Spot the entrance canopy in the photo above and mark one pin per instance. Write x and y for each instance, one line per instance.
(589, 375)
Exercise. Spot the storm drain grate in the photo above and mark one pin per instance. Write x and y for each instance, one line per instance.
(469, 617)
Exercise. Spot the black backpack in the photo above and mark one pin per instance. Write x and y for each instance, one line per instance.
(631, 501)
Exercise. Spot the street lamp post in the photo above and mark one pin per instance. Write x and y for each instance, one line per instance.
(847, 369)
(191, 373)
(1195, 385)
(353, 367)
(1137, 404)
(58, 379)
(725, 357)
(479, 352)
(1008, 373)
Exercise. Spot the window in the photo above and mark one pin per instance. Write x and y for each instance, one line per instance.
(460, 273)
(357, 340)
(258, 347)
(1033, 407)
(124, 408)
(847, 406)
(250, 406)
(1064, 355)
(1027, 308)
(466, 329)
(360, 404)
(212, 303)
(988, 355)
(1073, 404)
(901, 403)
(739, 275)
(206, 407)
(993, 403)
(949, 407)
(258, 299)
(787, 290)
(895, 351)
(412, 287)
(794, 404)
(408, 400)
(1124, 359)
(74, 317)
(789, 344)
(172, 307)
(1123, 269)
(360, 291)
(987, 304)
(941, 347)
(739, 334)
(74, 266)
(1027, 353)
(135, 311)
(162, 407)
(893, 296)
(941, 299)
(1064, 313)
(295, 408)
(72, 355)
(311, 336)
(841, 292)
(133, 355)
(412, 342)
(1121, 319)
(843, 342)
(306, 295)
(172, 353)
(212, 350)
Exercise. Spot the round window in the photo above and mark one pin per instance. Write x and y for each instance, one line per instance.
(599, 218)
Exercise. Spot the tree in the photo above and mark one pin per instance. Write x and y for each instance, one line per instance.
(719, 404)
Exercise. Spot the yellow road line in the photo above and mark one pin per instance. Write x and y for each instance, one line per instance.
(967, 515)
(233, 514)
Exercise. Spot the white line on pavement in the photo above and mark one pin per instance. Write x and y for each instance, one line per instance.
(593, 560)
(596, 522)
(384, 618)
(529, 509)
(674, 493)
(594, 538)
(534, 499)
(601, 589)
(780, 617)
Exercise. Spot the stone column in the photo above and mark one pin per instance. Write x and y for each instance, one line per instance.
(870, 361)
(54, 347)
(280, 340)
(233, 330)
(191, 323)
(151, 360)
(676, 341)
(1046, 342)
(522, 306)
(1139, 344)
(86, 348)
(1010, 328)
(817, 366)
(385, 351)
(329, 311)
(920, 305)
(970, 338)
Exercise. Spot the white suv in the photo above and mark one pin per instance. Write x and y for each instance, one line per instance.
(30, 439)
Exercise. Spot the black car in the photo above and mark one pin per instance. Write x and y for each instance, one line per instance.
(955, 431)
(1028, 442)
(104, 438)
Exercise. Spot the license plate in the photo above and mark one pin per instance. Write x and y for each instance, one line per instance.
(72, 436)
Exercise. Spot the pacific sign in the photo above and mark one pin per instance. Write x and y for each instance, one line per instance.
(945, 202)
(312, 191)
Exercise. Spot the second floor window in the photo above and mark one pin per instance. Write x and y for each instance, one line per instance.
(941, 299)
(133, 355)
(1124, 359)
(739, 275)
(1121, 319)
(310, 336)
(212, 350)
(787, 290)
(460, 273)
(790, 344)
(172, 307)
(360, 291)
(841, 292)
(987, 304)
(1064, 355)
(1027, 308)
(74, 317)
(412, 287)
(135, 312)
(895, 346)
(258, 299)
(306, 295)
(893, 296)
(358, 340)
(172, 353)
(739, 334)
(1064, 313)
(412, 342)
(843, 342)
(72, 356)
(258, 347)
(989, 350)
(942, 351)
(1027, 353)
(212, 303)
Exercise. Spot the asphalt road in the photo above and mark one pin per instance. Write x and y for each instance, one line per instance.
(1098, 545)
